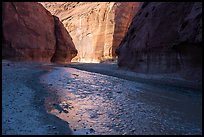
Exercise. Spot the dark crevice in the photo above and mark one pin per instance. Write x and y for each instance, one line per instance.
(153, 8)
(132, 31)
(55, 32)
(144, 5)
(146, 15)
(184, 25)
(104, 16)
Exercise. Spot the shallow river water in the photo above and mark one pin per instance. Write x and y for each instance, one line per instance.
(93, 103)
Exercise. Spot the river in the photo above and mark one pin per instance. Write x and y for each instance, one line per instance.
(93, 103)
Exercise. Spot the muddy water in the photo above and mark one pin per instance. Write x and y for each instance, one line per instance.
(99, 104)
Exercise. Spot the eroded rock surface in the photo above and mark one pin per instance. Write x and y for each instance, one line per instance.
(165, 37)
(97, 28)
(65, 49)
(29, 33)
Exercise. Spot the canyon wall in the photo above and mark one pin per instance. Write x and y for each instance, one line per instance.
(31, 33)
(164, 37)
(97, 28)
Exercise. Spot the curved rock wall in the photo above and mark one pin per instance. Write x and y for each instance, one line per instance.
(29, 33)
(164, 37)
(65, 49)
(97, 28)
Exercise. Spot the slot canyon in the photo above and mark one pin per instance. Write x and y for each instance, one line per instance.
(97, 28)
(101, 68)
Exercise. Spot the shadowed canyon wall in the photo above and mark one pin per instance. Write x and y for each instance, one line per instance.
(165, 37)
(32, 33)
(97, 28)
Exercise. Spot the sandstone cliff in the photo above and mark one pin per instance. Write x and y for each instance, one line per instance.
(97, 28)
(65, 49)
(165, 37)
(31, 33)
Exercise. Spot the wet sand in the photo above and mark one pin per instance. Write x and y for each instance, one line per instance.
(99, 104)
(111, 69)
(23, 111)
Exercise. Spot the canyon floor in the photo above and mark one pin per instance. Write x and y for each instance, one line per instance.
(54, 99)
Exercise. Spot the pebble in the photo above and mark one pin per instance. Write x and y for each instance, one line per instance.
(48, 125)
(125, 133)
(92, 130)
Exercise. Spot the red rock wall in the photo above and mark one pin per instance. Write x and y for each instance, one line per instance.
(164, 37)
(65, 49)
(29, 32)
(97, 28)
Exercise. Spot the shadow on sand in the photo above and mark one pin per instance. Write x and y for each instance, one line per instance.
(55, 125)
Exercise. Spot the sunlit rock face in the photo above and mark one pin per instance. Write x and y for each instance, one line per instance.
(31, 33)
(165, 37)
(97, 28)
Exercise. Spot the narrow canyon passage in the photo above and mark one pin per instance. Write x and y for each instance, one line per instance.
(99, 104)
(102, 68)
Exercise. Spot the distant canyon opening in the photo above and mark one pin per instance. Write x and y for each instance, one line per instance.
(96, 28)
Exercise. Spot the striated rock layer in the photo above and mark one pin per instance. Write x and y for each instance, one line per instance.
(30, 32)
(97, 28)
(165, 37)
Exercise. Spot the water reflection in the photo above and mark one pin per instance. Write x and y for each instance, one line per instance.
(79, 101)
(98, 104)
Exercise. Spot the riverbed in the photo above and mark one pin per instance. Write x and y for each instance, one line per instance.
(51, 99)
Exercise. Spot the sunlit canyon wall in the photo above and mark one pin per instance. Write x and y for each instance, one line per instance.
(165, 37)
(96, 28)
